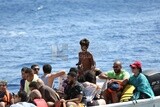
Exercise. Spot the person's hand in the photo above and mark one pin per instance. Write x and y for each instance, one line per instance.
(111, 80)
(63, 100)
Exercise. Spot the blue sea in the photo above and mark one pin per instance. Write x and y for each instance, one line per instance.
(49, 31)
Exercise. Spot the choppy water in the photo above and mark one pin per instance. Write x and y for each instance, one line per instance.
(32, 31)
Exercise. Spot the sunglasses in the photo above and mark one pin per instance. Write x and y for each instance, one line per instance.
(36, 69)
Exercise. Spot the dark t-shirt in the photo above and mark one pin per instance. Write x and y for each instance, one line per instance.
(22, 83)
(73, 92)
(48, 94)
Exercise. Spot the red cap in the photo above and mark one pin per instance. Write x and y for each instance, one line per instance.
(136, 64)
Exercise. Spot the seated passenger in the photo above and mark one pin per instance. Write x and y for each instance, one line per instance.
(30, 77)
(22, 82)
(140, 82)
(117, 75)
(35, 69)
(73, 92)
(49, 77)
(20, 100)
(48, 94)
(35, 97)
(5, 96)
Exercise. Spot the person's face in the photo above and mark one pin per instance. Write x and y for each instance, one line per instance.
(23, 74)
(29, 77)
(16, 99)
(134, 70)
(3, 87)
(70, 79)
(36, 69)
(84, 48)
(117, 68)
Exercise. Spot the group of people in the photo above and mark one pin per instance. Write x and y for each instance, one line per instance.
(38, 91)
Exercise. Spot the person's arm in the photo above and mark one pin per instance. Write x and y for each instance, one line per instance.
(55, 75)
(103, 76)
(77, 100)
(92, 60)
(79, 59)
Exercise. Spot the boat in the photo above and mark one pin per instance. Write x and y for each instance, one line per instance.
(151, 102)
(154, 79)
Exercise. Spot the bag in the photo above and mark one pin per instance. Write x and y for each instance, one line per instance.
(127, 93)
(154, 80)
(114, 86)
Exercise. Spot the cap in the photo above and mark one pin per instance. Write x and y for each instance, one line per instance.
(3, 82)
(136, 64)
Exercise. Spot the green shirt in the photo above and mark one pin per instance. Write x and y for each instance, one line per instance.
(123, 75)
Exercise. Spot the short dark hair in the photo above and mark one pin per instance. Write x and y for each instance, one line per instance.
(23, 69)
(23, 95)
(72, 74)
(47, 68)
(84, 42)
(73, 69)
(29, 71)
(34, 85)
(140, 70)
(33, 66)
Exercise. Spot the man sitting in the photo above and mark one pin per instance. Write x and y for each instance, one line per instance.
(119, 76)
(5, 96)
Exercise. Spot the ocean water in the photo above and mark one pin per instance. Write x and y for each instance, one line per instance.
(49, 31)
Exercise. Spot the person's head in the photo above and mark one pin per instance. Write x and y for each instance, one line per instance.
(35, 94)
(90, 76)
(20, 97)
(29, 74)
(84, 44)
(3, 85)
(33, 85)
(23, 72)
(136, 67)
(47, 68)
(73, 69)
(117, 66)
(35, 68)
(71, 77)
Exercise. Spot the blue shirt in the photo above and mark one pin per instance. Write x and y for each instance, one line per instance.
(141, 84)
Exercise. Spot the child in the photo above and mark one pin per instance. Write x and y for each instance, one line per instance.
(86, 61)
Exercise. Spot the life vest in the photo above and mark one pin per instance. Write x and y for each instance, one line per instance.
(7, 98)
(127, 93)
(40, 103)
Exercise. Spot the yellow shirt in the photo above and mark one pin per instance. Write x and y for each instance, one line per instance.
(26, 86)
